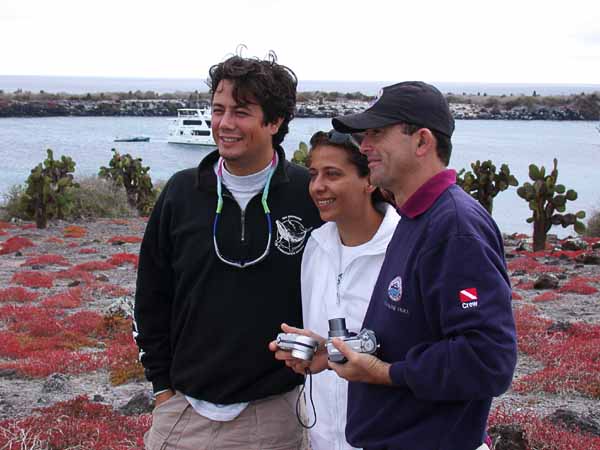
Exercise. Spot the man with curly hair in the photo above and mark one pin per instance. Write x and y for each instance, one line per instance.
(220, 271)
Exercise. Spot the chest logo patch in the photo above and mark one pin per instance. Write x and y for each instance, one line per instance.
(291, 235)
(395, 289)
(468, 298)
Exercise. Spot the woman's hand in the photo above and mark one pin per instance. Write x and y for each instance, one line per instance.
(319, 361)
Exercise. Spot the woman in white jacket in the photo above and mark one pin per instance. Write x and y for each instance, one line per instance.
(340, 265)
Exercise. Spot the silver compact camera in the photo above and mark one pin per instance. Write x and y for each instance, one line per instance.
(302, 347)
(363, 342)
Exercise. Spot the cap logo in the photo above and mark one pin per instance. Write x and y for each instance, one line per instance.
(379, 94)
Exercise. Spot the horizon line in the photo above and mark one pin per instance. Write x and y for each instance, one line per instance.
(130, 77)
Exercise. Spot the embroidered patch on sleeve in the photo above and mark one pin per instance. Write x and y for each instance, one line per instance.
(468, 298)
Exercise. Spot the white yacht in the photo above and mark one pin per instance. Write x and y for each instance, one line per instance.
(192, 126)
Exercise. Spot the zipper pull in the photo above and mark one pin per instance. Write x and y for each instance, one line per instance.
(339, 281)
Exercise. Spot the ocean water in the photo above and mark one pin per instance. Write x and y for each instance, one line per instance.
(89, 140)
(82, 85)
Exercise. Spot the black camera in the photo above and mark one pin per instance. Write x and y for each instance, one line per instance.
(363, 342)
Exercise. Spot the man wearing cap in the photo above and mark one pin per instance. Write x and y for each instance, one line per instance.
(441, 307)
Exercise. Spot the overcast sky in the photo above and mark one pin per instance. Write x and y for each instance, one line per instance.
(508, 41)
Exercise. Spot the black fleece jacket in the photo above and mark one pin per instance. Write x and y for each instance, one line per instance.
(203, 326)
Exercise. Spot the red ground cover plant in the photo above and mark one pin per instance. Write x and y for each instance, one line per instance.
(111, 290)
(85, 323)
(14, 244)
(92, 266)
(88, 251)
(74, 231)
(546, 297)
(75, 275)
(578, 286)
(541, 434)
(119, 221)
(72, 245)
(70, 298)
(54, 240)
(32, 279)
(3, 233)
(6, 225)
(516, 296)
(30, 323)
(41, 343)
(118, 259)
(47, 260)
(75, 424)
(570, 354)
(568, 254)
(28, 226)
(17, 294)
(531, 265)
(124, 239)
(58, 361)
(122, 353)
(525, 285)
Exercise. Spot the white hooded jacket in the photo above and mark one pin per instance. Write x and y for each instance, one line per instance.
(330, 291)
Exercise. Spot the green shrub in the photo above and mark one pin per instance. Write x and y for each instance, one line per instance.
(93, 198)
(97, 197)
(12, 205)
(593, 224)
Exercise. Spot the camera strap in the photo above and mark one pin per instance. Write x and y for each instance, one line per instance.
(312, 403)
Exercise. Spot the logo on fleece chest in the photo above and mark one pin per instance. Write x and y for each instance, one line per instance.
(393, 300)
(290, 235)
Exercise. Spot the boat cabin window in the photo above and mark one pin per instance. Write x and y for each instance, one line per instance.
(208, 123)
(192, 122)
(200, 133)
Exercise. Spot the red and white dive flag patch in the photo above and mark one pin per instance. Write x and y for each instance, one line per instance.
(468, 297)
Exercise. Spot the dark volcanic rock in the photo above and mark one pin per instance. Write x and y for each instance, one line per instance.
(574, 422)
(589, 259)
(559, 326)
(56, 382)
(574, 244)
(11, 374)
(140, 403)
(546, 281)
(508, 437)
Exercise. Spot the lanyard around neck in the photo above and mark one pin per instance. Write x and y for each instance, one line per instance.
(265, 194)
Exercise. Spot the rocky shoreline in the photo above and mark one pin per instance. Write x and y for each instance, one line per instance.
(463, 108)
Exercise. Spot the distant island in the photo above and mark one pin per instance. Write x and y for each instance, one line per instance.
(310, 104)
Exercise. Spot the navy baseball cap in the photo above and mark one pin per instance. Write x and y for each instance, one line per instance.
(412, 102)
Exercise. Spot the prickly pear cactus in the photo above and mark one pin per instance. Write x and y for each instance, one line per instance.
(484, 183)
(48, 192)
(547, 201)
(126, 171)
(301, 155)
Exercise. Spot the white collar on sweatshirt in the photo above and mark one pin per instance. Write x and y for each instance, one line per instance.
(327, 235)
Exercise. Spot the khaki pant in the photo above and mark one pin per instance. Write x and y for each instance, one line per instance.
(266, 424)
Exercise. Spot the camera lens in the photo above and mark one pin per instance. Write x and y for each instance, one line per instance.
(337, 328)
(304, 348)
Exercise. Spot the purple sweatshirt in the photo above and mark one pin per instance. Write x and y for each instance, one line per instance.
(441, 310)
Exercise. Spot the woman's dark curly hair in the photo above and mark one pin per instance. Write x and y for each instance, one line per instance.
(270, 85)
